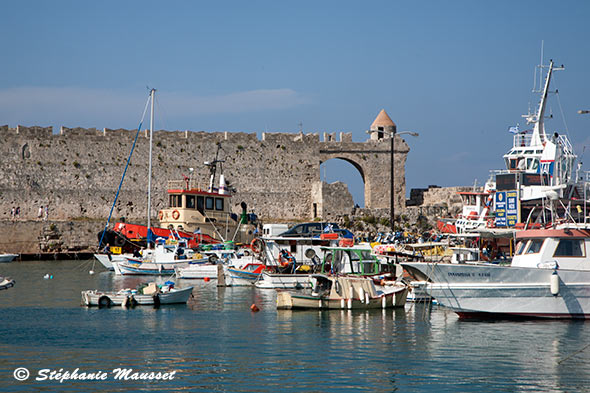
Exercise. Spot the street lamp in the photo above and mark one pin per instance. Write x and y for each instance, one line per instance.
(391, 190)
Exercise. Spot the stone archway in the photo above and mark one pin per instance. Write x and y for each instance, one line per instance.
(373, 161)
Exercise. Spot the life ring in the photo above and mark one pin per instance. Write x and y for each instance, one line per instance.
(286, 258)
(175, 214)
(119, 241)
(213, 259)
(256, 246)
(490, 223)
(104, 302)
(160, 215)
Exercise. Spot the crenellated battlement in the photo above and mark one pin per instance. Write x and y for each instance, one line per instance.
(77, 170)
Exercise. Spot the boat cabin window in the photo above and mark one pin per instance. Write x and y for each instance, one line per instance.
(201, 204)
(520, 247)
(512, 164)
(570, 248)
(532, 164)
(209, 203)
(190, 201)
(219, 204)
(534, 246)
(175, 200)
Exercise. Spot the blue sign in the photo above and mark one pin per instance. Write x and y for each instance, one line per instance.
(511, 208)
(500, 203)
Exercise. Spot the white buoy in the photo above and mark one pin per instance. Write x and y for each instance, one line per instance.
(91, 272)
(46, 276)
(554, 283)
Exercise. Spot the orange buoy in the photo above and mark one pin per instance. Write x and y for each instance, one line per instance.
(206, 279)
(254, 308)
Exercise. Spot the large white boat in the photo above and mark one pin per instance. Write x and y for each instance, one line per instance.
(538, 162)
(549, 277)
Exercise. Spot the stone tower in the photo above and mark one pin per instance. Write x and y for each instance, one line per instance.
(382, 127)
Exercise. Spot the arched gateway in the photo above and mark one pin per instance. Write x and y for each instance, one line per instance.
(372, 159)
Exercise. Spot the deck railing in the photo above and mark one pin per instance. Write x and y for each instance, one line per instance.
(185, 184)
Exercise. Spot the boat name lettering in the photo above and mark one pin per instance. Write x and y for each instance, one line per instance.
(467, 274)
(460, 274)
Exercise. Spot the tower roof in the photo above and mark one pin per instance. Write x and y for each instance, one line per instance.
(383, 120)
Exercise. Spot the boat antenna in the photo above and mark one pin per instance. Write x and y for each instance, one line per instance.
(149, 201)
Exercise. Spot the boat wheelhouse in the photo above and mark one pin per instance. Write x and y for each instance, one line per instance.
(538, 165)
(192, 209)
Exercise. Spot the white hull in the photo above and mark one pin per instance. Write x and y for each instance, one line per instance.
(7, 257)
(238, 278)
(197, 271)
(6, 283)
(290, 301)
(486, 291)
(108, 262)
(147, 268)
(419, 292)
(175, 296)
(283, 281)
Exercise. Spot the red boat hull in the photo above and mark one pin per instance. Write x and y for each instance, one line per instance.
(136, 231)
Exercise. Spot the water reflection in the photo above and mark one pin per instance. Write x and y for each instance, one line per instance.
(217, 343)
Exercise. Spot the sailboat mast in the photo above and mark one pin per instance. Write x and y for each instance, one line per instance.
(149, 203)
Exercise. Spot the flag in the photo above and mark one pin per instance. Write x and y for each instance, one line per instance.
(514, 129)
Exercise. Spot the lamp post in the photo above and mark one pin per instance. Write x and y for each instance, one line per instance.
(391, 190)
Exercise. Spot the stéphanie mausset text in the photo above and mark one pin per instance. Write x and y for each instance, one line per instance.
(118, 374)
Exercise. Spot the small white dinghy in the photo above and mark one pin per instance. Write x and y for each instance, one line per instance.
(7, 257)
(147, 295)
(6, 282)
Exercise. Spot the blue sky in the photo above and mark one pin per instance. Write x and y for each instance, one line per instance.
(458, 72)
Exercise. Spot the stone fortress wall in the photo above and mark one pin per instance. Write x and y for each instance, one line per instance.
(76, 171)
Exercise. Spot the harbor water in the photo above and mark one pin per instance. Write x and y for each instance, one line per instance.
(216, 343)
